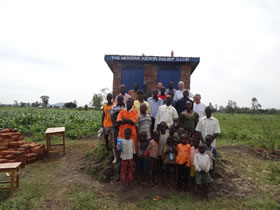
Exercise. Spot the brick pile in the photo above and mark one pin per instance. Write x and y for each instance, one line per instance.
(13, 148)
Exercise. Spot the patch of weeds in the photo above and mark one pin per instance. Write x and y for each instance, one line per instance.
(260, 202)
(81, 197)
(274, 172)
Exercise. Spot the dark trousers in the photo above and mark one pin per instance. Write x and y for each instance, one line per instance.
(182, 176)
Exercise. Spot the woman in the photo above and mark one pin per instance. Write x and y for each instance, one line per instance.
(189, 119)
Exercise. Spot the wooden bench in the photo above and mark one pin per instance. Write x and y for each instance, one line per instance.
(59, 131)
(13, 169)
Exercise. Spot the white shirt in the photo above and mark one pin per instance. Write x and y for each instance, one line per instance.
(179, 94)
(166, 114)
(127, 149)
(199, 109)
(208, 126)
(201, 162)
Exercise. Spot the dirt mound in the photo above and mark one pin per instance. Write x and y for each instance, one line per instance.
(99, 163)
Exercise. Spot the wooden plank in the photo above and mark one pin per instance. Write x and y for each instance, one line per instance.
(55, 130)
(9, 165)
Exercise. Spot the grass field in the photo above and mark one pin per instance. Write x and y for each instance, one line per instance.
(248, 181)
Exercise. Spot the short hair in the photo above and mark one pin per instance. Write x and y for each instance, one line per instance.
(197, 95)
(128, 130)
(181, 82)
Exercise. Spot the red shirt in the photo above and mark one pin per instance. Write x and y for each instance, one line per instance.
(163, 97)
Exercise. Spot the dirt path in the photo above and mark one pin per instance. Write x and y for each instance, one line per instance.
(65, 177)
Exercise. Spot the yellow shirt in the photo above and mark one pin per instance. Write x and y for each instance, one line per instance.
(137, 104)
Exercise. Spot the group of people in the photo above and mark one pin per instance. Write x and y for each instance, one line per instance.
(163, 136)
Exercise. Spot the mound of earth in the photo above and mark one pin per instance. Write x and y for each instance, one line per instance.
(99, 163)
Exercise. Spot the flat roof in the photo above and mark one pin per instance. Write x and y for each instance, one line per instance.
(110, 59)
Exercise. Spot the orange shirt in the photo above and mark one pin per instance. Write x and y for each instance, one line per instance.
(133, 115)
(107, 122)
(184, 154)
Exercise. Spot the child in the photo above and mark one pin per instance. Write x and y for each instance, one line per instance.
(183, 160)
(142, 158)
(162, 142)
(106, 119)
(211, 152)
(127, 152)
(194, 150)
(144, 121)
(169, 160)
(153, 156)
(202, 166)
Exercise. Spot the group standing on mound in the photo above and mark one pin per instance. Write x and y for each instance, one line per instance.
(161, 137)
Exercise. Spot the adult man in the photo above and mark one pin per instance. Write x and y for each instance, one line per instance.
(198, 106)
(127, 118)
(123, 93)
(208, 125)
(147, 93)
(159, 86)
(179, 93)
(140, 101)
(166, 113)
(114, 112)
(133, 92)
(181, 104)
(106, 122)
(154, 103)
(170, 88)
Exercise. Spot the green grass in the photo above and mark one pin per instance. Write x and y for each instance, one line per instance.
(33, 122)
(253, 130)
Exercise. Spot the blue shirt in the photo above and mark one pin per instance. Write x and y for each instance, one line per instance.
(154, 105)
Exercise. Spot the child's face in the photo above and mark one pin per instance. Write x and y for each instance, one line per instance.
(162, 127)
(127, 134)
(143, 109)
(156, 136)
(201, 149)
(184, 140)
(195, 143)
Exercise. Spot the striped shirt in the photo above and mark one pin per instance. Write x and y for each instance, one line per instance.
(144, 124)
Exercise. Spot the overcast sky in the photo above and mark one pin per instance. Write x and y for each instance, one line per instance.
(57, 48)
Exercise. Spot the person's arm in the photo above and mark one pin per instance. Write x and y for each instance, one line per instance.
(196, 119)
(103, 116)
(189, 157)
(214, 136)
(208, 164)
(157, 119)
(196, 163)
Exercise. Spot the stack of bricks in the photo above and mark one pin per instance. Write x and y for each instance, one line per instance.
(14, 149)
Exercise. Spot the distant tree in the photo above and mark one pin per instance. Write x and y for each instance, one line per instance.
(255, 104)
(35, 104)
(97, 100)
(86, 107)
(70, 105)
(212, 107)
(15, 103)
(45, 100)
(22, 104)
(75, 102)
(231, 106)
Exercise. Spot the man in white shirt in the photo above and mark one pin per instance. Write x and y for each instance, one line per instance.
(179, 93)
(166, 113)
(208, 125)
(198, 106)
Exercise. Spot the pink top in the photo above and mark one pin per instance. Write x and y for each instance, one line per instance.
(193, 152)
(153, 146)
